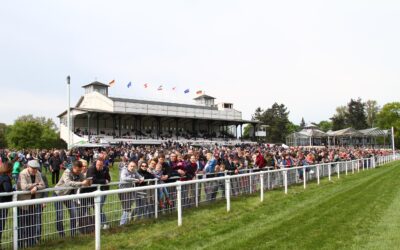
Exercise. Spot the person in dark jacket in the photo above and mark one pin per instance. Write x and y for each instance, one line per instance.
(5, 187)
(144, 199)
(55, 163)
(100, 175)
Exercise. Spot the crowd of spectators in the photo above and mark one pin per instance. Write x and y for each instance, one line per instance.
(82, 168)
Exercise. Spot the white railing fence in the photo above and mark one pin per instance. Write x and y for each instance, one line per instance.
(31, 222)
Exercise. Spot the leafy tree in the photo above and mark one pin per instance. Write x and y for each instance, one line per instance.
(246, 131)
(355, 116)
(257, 114)
(339, 119)
(33, 132)
(325, 125)
(293, 128)
(371, 111)
(302, 123)
(3, 128)
(388, 117)
(277, 120)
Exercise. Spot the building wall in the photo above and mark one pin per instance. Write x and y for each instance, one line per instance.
(153, 109)
(97, 101)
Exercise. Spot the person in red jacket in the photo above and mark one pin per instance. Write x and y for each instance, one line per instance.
(260, 161)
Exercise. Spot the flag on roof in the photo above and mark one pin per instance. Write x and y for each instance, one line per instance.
(146, 85)
(111, 83)
(174, 88)
(129, 84)
(186, 91)
(199, 92)
(160, 88)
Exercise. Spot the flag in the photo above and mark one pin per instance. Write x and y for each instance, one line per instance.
(111, 83)
(199, 92)
(146, 85)
(129, 85)
(187, 91)
(173, 89)
(160, 88)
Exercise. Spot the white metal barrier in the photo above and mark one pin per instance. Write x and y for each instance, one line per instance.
(32, 222)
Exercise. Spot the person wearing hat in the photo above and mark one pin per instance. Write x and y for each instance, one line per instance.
(29, 180)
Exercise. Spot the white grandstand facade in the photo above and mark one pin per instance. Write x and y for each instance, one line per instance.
(99, 118)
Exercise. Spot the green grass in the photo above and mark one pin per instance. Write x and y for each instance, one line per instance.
(359, 211)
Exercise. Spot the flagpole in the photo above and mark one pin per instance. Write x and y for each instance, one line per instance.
(69, 112)
(394, 151)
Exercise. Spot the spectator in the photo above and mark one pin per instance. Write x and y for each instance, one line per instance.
(100, 176)
(29, 180)
(55, 163)
(128, 176)
(5, 187)
(71, 178)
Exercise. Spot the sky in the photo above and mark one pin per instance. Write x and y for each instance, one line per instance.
(311, 56)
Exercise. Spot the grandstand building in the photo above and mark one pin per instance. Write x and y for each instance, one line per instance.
(97, 117)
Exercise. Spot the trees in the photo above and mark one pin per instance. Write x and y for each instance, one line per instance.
(325, 125)
(339, 119)
(371, 111)
(302, 123)
(388, 117)
(277, 120)
(355, 116)
(3, 128)
(33, 132)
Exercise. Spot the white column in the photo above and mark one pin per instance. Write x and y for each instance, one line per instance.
(69, 112)
(262, 187)
(15, 223)
(179, 205)
(393, 148)
(97, 209)
(285, 180)
(228, 193)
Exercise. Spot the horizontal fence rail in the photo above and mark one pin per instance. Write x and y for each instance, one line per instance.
(26, 223)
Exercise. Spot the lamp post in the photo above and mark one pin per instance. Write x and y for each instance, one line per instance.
(68, 111)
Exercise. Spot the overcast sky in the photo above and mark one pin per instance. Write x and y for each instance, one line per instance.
(310, 55)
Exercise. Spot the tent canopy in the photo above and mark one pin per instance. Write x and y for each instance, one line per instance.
(375, 132)
(347, 132)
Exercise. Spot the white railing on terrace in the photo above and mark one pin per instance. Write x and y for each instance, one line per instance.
(32, 222)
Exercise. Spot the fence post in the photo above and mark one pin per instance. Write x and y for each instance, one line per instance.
(262, 187)
(269, 180)
(97, 219)
(197, 191)
(156, 200)
(338, 170)
(329, 171)
(347, 163)
(363, 164)
(179, 200)
(368, 163)
(317, 174)
(285, 180)
(352, 166)
(228, 193)
(15, 223)
(251, 181)
(304, 177)
(358, 165)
